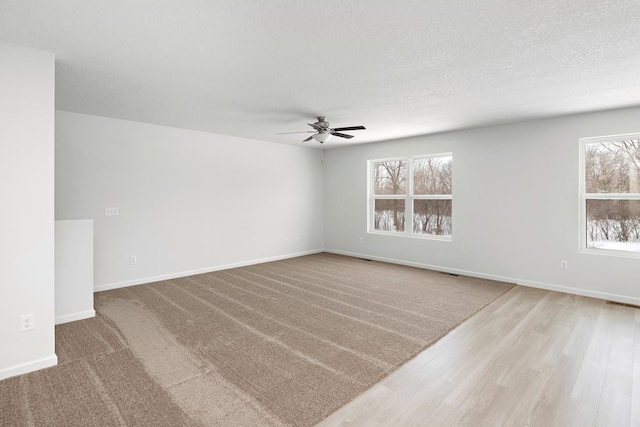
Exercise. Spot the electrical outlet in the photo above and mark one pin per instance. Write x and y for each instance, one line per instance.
(297, 239)
(564, 265)
(111, 212)
(133, 260)
(361, 239)
(26, 322)
(286, 240)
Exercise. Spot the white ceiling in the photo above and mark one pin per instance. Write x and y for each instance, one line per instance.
(401, 68)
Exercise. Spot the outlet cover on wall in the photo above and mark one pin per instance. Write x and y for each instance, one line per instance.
(133, 260)
(26, 322)
(111, 211)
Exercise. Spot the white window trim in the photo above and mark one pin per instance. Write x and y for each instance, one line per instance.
(408, 230)
(583, 197)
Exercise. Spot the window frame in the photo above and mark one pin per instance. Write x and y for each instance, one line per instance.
(409, 197)
(583, 196)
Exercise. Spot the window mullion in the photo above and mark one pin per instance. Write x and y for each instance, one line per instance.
(612, 196)
(433, 197)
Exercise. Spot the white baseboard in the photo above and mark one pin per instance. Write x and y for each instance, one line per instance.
(75, 316)
(529, 283)
(25, 368)
(582, 292)
(142, 281)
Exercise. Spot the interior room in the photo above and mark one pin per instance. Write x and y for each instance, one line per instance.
(204, 213)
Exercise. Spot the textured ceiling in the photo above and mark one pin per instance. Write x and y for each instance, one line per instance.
(401, 68)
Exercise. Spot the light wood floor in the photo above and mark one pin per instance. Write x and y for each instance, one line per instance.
(533, 357)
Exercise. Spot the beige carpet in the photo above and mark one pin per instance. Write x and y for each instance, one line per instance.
(283, 343)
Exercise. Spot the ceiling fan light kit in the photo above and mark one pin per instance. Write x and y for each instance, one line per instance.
(323, 132)
(322, 137)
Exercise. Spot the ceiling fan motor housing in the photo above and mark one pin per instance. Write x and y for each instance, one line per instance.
(322, 122)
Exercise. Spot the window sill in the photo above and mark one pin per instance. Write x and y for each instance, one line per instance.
(610, 253)
(412, 236)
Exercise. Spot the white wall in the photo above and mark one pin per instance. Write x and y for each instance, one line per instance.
(515, 205)
(74, 270)
(26, 216)
(189, 201)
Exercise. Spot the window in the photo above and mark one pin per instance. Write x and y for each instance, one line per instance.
(610, 195)
(419, 185)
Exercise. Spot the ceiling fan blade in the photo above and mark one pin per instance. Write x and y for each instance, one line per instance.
(308, 139)
(341, 135)
(350, 128)
(315, 126)
(287, 133)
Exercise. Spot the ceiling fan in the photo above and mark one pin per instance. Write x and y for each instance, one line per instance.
(322, 132)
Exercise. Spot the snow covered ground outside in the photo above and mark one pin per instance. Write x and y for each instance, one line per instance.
(615, 246)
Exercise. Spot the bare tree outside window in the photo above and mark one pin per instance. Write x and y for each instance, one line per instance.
(613, 167)
(612, 194)
(389, 214)
(432, 176)
(611, 222)
(390, 178)
(432, 217)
